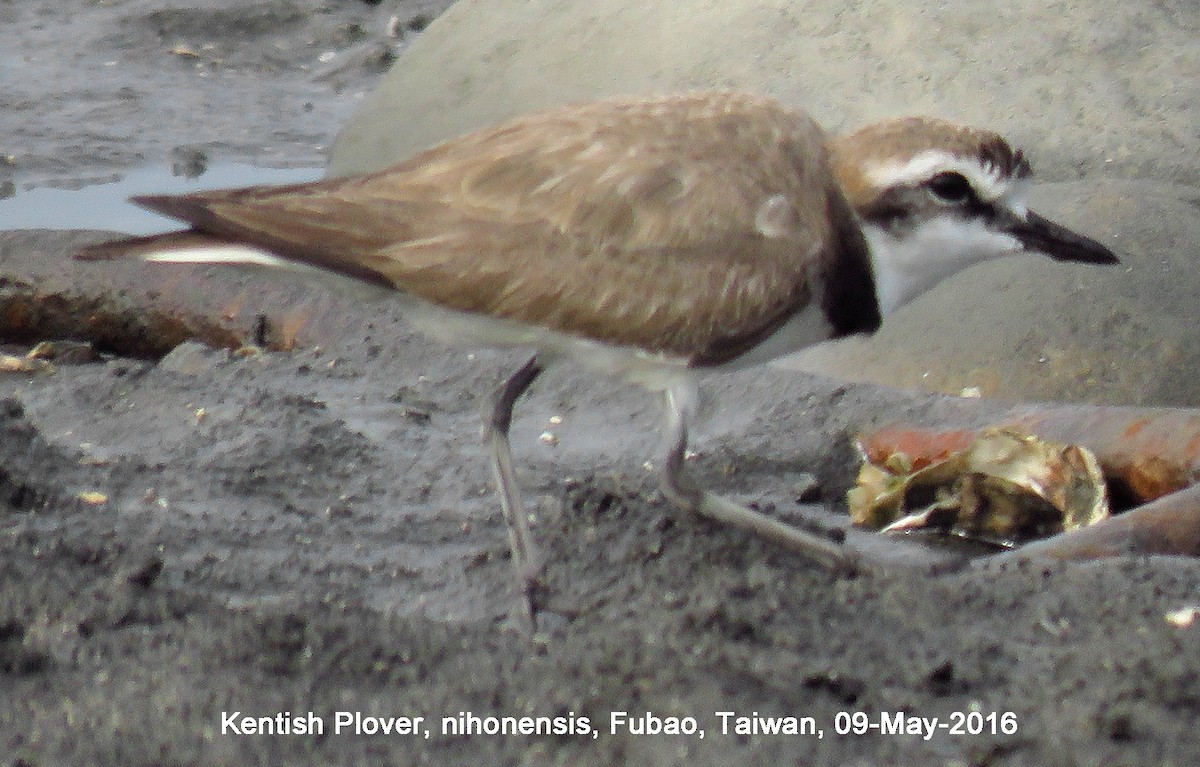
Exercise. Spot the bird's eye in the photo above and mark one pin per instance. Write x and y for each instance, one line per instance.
(950, 187)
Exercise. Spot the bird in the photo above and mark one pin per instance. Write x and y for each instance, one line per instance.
(652, 238)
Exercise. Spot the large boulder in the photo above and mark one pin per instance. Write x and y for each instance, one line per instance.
(1102, 96)
(1092, 88)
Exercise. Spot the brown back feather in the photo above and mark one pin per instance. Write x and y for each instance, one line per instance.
(631, 222)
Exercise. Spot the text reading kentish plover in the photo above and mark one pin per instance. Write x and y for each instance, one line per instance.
(654, 239)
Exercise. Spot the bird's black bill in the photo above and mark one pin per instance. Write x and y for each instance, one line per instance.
(1059, 242)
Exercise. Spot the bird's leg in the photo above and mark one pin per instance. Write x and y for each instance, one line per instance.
(682, 490)
(496, 425)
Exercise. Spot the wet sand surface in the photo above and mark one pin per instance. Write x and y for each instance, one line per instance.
(315, 530)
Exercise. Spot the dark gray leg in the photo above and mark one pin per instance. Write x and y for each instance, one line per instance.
(682, 490)
(524, 557)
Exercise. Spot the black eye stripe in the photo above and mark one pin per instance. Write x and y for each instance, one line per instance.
(950, 186)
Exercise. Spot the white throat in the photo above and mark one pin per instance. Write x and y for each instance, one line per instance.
(910, 263)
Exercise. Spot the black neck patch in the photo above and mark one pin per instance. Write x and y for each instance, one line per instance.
(848, 296)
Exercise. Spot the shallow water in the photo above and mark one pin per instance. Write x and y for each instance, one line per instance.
(106, 205)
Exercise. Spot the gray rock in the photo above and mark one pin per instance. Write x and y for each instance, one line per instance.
(1091, 91)
(1028, 328)
(1091, 88)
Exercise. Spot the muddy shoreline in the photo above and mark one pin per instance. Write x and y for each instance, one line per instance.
(314, 531)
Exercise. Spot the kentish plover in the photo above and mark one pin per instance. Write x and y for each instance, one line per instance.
(654, 239)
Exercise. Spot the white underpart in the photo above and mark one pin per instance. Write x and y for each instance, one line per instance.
(906, 266)
(805, 328)
(656, 372)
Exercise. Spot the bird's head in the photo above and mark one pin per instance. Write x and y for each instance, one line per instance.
(935, 197)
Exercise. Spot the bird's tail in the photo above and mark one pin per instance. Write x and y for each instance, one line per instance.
(182, 247)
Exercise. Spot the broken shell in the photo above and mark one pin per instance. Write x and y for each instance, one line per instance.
(13, 364)
(1183, 617)
(1005, 487)
(63, 351)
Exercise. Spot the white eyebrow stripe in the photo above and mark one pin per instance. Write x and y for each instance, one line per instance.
(1016, 196)
(989, 183)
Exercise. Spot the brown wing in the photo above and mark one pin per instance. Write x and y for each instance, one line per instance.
(681, 224)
